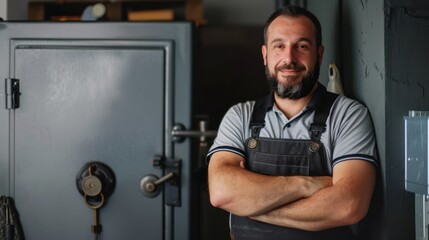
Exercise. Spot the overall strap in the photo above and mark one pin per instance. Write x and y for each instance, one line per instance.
(322, 109)
(257, 121)
(321, 114)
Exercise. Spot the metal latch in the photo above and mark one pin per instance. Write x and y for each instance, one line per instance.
(151, 185)
(12, 93)
(179, 132)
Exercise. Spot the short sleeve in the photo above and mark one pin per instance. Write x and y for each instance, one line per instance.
(232, 130)
(353, 133)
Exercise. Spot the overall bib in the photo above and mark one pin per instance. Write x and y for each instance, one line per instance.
(287, 157)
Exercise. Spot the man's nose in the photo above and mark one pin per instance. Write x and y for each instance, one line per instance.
(289, 55)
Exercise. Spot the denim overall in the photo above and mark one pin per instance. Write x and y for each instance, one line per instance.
(287, 157)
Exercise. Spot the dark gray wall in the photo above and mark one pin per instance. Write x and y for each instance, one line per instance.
(327, 11)
(363, 67)
(385, 65)
(16, 9)
(407, 62)
(238, 12)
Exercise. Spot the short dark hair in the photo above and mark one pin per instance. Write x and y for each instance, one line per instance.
(295, 11)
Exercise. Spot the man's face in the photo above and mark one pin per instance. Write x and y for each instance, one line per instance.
(291, 56)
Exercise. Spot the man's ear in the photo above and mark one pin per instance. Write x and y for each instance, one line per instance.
(264, 54)
(320, 51)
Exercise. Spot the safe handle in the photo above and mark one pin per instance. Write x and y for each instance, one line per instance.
(153, 185)
(150, 184)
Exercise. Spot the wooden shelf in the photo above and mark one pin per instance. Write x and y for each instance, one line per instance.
(146, 10)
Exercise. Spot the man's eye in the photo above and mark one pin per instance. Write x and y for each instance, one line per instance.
(302, 47)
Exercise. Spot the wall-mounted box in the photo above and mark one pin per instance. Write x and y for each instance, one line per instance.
(416, 152)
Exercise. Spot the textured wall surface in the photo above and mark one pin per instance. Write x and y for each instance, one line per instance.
(385, 65)
(407, 85)
(363, 65)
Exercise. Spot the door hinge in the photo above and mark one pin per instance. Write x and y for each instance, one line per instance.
(12, 93)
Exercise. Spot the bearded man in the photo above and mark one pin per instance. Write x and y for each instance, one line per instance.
(300, 163)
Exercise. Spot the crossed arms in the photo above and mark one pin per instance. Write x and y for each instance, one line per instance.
(308, 203)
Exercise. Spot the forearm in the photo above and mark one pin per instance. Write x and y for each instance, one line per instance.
(344, 203)
(312, 214)
(245, 193)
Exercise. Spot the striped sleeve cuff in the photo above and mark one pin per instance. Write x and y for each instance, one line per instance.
(362, 157)
(224, 148)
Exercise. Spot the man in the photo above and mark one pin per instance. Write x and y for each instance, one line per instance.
(301, 162)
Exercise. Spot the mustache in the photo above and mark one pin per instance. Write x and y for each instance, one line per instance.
(291, 66)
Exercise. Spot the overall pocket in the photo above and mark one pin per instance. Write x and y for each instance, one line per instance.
(285, 165)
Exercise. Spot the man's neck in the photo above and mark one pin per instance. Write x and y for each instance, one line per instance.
(291, 107)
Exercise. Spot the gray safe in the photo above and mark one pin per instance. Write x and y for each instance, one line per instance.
(107, 93)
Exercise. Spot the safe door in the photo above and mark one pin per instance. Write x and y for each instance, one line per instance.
(78, 94)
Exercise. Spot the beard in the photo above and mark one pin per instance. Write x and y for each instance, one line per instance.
(293, 91)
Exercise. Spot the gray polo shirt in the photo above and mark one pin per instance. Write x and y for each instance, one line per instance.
(349, 131)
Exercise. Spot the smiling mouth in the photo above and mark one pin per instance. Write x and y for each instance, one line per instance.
(291, 68)
(290, 71)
